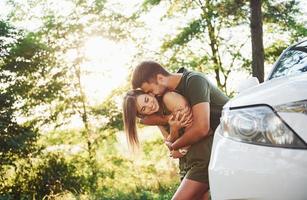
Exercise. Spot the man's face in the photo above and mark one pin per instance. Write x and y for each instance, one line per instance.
(154, 88)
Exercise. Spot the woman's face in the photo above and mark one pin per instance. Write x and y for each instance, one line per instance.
(147, 104)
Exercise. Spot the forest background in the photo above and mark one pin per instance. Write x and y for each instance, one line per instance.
(65, 66)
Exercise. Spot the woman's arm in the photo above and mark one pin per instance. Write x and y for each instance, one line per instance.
(175, 102)
(199, 129)
(164, 132)
(173, 153)
(166, 135)
(155, 119)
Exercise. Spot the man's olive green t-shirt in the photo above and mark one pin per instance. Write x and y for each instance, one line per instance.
(196, 88)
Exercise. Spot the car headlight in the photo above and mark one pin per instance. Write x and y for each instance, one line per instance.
(258, 125)
(293, 107)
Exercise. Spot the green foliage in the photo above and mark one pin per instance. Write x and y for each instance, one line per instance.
(40, 87)
(284, 13)
(62, 174)
(121, 176)
(192, 62)
(164, 192)
(203, 43)
(135, 180)
(235, 10)
(29, 77)
(279, 12)
(48, 175)
(112, 109)
(204, 32)
(147, 4)
(186, 35)
(282, 16)
(16, 141)
(52, 82)
(57, 137)
(9, 35)
(155, 148)
(272, 52)
(28, 81)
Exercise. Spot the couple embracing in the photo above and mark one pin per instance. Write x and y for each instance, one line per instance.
(187, 109)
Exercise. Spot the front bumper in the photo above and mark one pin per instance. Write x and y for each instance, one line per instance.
(245, 171)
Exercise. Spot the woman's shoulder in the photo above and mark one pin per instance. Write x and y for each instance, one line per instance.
(173, 101)
(170, 95)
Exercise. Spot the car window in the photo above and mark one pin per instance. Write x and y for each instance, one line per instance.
(294, 61)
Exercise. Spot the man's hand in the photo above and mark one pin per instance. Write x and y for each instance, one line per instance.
(183, 117)
(199, 129)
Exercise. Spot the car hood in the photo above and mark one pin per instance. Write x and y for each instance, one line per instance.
(278, 92)
(273, 92)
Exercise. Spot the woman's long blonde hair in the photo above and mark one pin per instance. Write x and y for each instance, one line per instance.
(129, 116)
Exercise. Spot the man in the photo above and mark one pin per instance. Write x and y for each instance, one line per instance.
(205, 99)
(206, 102)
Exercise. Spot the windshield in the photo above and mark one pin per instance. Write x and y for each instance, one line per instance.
(292, 62)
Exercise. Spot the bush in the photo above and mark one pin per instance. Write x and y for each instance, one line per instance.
(49, 176)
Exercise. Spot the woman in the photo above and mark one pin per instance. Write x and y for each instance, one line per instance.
(192, 164)
(139, 104)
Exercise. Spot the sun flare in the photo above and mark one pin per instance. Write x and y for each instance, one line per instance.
(106, 66)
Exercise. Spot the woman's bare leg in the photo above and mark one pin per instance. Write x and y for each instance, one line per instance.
(204, 196)
(190, 189)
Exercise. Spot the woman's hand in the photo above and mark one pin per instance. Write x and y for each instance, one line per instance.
(186, 113)
(176, 154)
(168, 144)
(175, 122)
(180, 119)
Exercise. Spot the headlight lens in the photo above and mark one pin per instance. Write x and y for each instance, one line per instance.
(258, 125)
(294, 107)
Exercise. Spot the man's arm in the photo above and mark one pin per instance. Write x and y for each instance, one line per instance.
(173, 154)
(155, 119)
(199, 129)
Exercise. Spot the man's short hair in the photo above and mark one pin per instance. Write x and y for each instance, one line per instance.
(147, 71)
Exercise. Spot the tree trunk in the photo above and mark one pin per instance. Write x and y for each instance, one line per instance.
(88, 132)
(213, 42)
(257, 39)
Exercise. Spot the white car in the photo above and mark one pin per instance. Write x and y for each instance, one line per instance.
(260, 148)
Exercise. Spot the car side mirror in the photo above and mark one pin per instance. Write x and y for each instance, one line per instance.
(248, 83)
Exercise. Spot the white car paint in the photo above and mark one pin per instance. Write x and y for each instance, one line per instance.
(241, 170)
(274, 92)
(246, 171)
